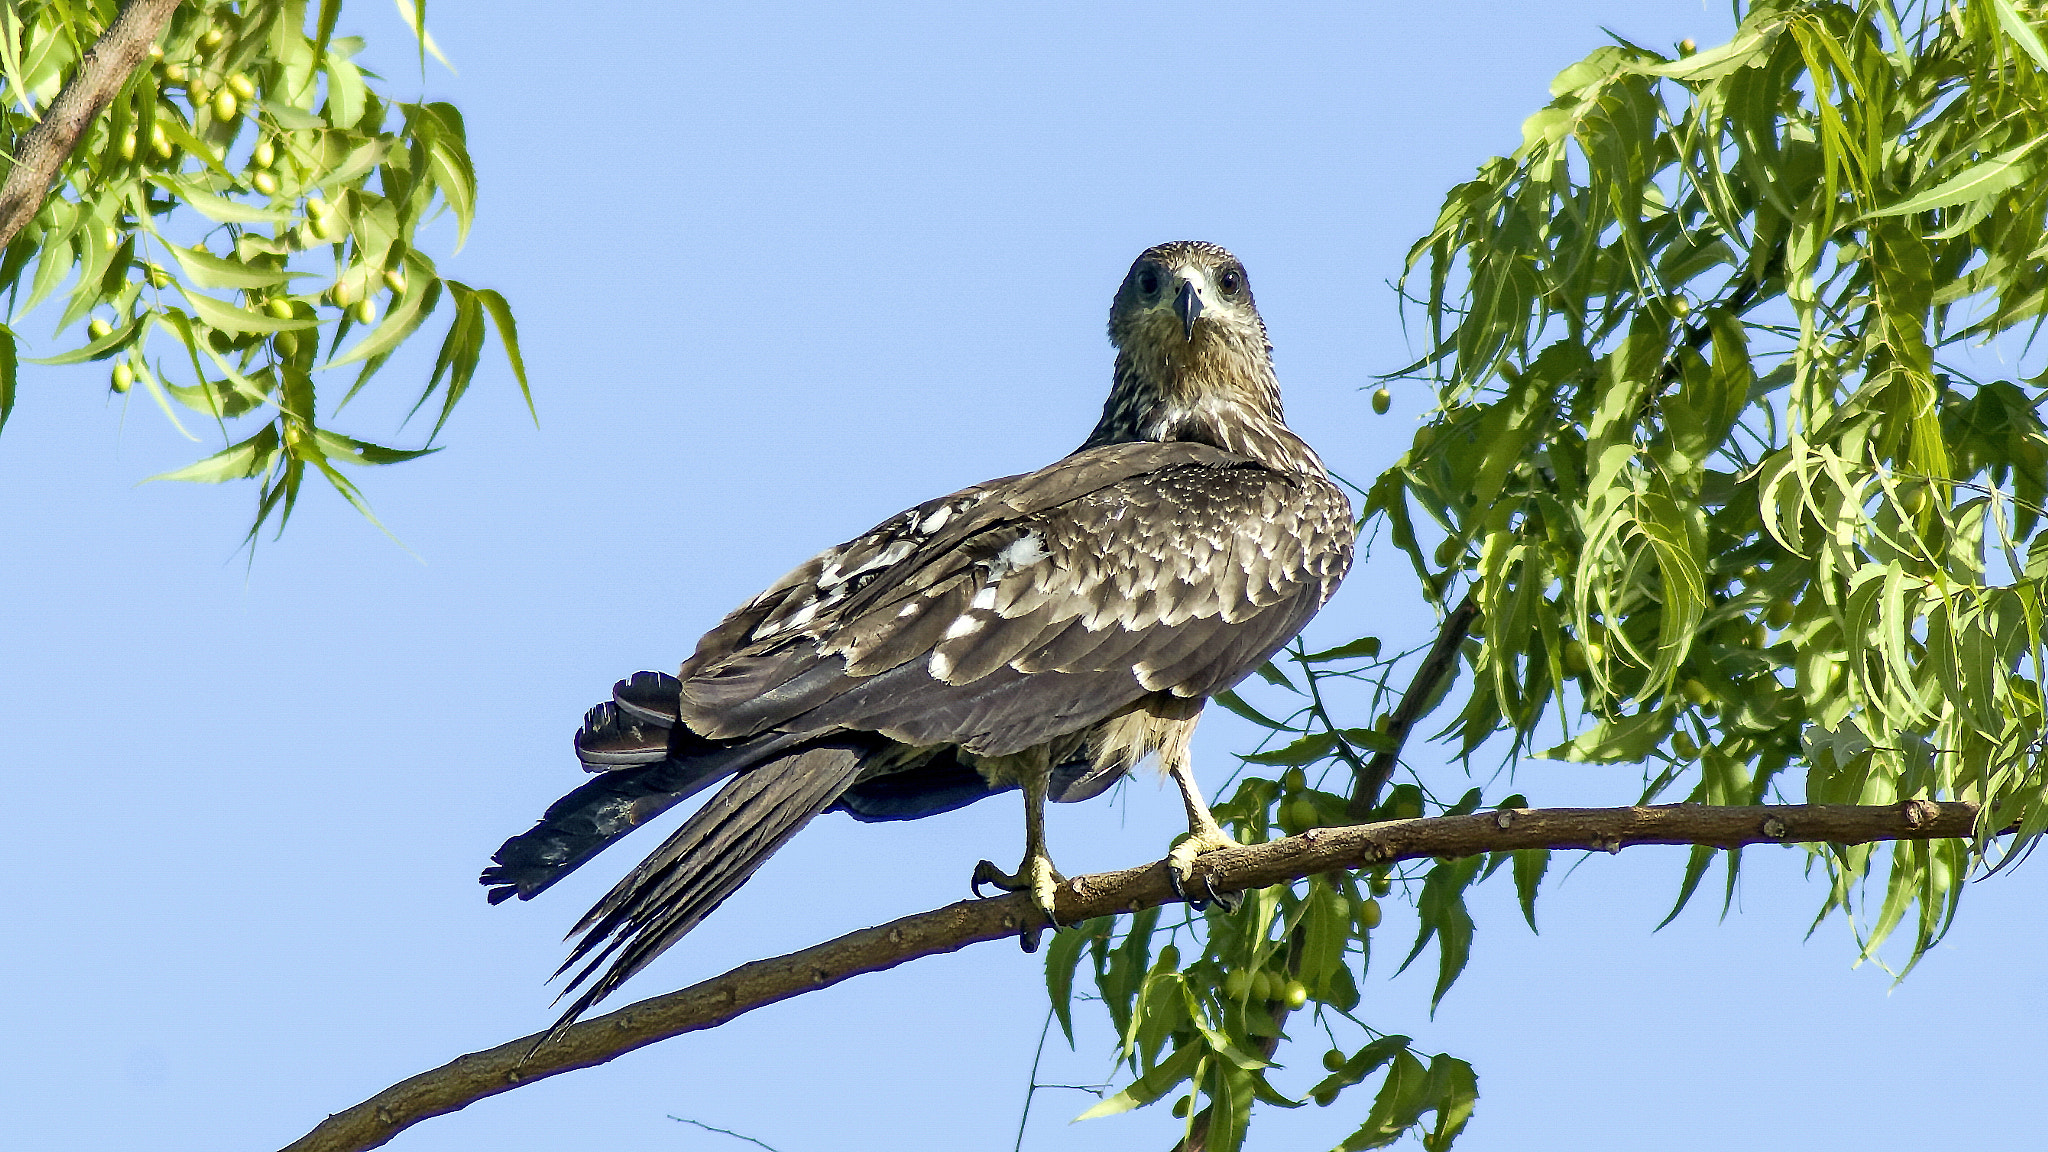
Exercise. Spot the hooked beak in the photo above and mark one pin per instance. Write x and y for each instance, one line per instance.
(1187, 306)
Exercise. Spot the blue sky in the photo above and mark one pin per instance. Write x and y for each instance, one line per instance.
(778, 276)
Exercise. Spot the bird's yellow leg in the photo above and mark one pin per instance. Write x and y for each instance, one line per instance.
(1036, 874)
(1204, 835)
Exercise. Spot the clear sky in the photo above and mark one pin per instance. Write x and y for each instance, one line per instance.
(778, 276)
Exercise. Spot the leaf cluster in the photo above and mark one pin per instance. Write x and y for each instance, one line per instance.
(1715, 458)
(298, 190)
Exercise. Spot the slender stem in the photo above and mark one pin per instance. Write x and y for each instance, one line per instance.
(1421, 693)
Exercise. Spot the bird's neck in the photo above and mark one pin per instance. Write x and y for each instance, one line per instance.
(1208, 395)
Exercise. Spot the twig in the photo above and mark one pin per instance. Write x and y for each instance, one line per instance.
(106, 68)
(1031, 1088)
(722, 1131)
(708, 1004)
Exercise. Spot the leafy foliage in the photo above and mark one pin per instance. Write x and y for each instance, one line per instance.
(302, 190)
(1712, 461)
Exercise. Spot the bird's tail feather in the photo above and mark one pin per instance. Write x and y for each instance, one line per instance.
(646, 765)
(708, 858)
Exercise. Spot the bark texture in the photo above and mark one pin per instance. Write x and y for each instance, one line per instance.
(41, 153)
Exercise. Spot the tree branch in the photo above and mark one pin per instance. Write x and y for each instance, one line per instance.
(105, 69)
(1443, 656)
(470, 1078)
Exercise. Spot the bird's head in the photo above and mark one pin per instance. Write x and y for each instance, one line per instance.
(1192, 360)
(1185, 301)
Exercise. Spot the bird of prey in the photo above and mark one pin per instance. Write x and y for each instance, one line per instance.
(1044, 632)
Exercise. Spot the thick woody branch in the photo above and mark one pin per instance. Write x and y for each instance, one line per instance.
(711, 1003)
(107, 66)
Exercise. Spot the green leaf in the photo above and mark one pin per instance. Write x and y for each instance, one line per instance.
(101, 348)
(2021, 32)
(508, 336)
(210, 271)
(1219, 1043)
(1163, 1078)
(1453, 1091)
(1443, 917)
(350, 451)
(251, 457)
(228, 318)
(1530, 864)
(1062, 956)
(1365, 647)
(1271, 674)
(1306, 750)
(215, 208)
(1400, 1103)
(8, 371)
(1980, 181)
(412, 309)
(1615, 741)
(1230, 701)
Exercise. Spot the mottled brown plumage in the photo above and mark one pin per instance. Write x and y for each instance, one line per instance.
(1046, 631)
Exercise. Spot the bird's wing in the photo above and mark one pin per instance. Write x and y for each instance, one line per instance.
(1028, 608)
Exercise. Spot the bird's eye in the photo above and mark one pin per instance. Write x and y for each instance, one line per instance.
(1148, 282)
(1232, 281)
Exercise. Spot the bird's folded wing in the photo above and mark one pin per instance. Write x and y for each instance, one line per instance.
(1027, 608)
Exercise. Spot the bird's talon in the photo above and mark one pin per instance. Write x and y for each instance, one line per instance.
(986, 872)
(1180, 869)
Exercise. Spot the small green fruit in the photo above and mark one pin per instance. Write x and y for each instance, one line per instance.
(394, 280)
(175, 73)
(1697, 692)
(1324, 1097)
(1779, 613)
(1381, 401)
(1369, 913)
(317, 206)
(1333, 1060)
(1381, 885)
(211, 38)
(365, 311)
(241, 86)
(1575, 658)
(265, 154)
(1293, 780)
(128, 146)
(265, 183)
(1237, 984)
(225, 106)
(1913, 498)
(1302, 812)
(1685, 747)
(343, 293)
(1264, 986)
(1294, 994)
(124, 378)
(286, 344)
(280, 308)
(98, 328)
